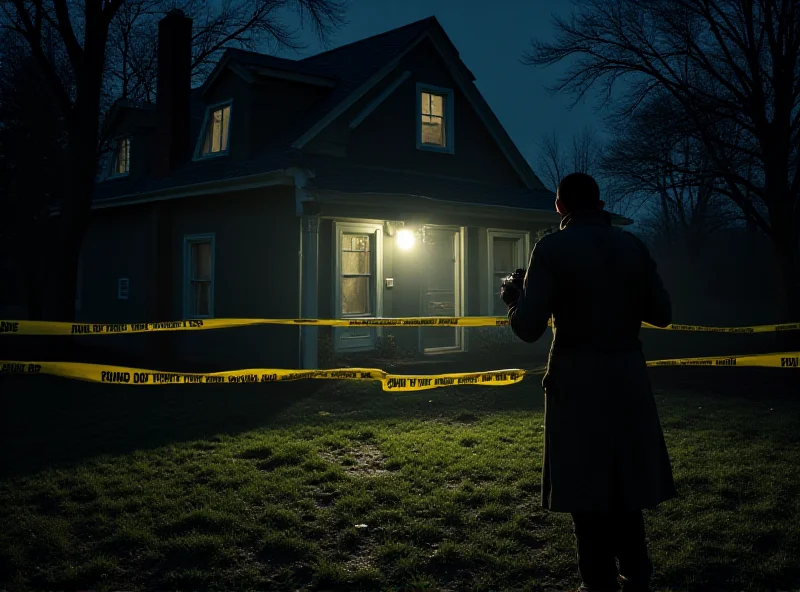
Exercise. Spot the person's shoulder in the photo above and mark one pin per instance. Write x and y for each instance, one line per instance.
(548, 241)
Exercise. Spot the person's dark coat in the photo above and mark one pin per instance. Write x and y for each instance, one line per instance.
(603, 445)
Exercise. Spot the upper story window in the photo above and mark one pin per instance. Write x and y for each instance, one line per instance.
(434, 118)
(216, 130)
(121, 158)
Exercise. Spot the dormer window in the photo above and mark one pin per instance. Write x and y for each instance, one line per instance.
(121, 161)
(214, 139)
(434, 118)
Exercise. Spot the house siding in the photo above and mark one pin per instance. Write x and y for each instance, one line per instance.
(231, 87)
(387, 137)
(257, 241)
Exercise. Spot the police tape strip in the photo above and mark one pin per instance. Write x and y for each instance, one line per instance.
(66, 328)
(775, 360)
(389, 382)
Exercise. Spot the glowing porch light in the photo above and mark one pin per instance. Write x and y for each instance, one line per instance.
(405, 239)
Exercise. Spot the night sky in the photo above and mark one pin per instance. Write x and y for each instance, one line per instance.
(491, 38)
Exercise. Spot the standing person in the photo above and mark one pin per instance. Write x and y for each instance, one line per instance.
(605, 459)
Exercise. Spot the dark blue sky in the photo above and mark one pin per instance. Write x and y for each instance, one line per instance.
(491, 37)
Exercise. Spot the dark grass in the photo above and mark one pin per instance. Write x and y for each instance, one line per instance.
(268, 486)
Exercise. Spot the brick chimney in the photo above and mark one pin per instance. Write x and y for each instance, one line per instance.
(172, 92)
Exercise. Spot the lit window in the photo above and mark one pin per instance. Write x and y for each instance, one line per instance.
(199, 273)
(356, 275)
(433, 121)
(121, 163)
(434, 118)
(215, 140)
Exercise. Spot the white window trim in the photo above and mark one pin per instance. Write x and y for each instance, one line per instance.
(376, 230)
(449, 118)
(198, 150)
(525, 250)
(110, 174)
(188, 240)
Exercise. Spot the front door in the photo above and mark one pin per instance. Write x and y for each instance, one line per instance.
(442, 286)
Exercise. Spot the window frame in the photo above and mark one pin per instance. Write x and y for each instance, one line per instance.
(449, 117)
(524, 250)
(188, 241)
(198, 151)
(375, 232)
(111, 174)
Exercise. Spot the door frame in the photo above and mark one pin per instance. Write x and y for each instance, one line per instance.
(339, 228)
(460, 305)
(523, 251)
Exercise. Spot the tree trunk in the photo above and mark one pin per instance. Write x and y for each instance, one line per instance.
(785, 236)
(82, 157)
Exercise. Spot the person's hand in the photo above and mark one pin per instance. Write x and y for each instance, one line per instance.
(511, 288)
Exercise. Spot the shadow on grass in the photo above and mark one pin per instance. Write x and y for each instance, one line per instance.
(46, 420)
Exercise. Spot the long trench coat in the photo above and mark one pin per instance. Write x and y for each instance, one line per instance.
(604, 449)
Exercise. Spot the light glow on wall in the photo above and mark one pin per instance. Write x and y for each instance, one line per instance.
(405, 239)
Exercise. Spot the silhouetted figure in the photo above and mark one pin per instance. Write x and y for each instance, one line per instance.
(605, 459)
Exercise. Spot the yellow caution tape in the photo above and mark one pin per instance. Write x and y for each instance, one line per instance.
(66, 328)
(776, 360)
(389, 382)
(748, 330)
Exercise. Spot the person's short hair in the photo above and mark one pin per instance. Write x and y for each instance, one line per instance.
(579, 191)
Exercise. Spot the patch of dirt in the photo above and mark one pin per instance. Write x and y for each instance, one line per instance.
(364, 460)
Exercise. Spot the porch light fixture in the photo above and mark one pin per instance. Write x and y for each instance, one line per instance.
(405, 239)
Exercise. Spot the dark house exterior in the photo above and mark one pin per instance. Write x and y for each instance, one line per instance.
(369, 180)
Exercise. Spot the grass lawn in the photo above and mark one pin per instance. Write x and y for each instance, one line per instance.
(324, 485)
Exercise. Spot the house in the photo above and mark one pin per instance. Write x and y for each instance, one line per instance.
(368, 180)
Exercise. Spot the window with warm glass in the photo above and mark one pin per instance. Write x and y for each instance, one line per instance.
(121, 162)
(215, 140)
(433, 119)
(508, 251)
(199, 268)
(356, 274)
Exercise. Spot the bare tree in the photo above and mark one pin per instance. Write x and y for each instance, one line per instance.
(733, 61)
(246, 24)
(80, 33)
(664, 171)
(582, 156)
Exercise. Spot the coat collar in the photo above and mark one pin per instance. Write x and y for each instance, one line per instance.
(586, 218)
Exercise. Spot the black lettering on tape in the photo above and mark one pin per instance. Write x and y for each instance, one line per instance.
(790, 362)
(7, 327)
(81, 329)
(13, 368)
(115, 376)
(34, 368)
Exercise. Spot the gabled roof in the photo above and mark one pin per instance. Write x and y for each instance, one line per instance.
(348, 73)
